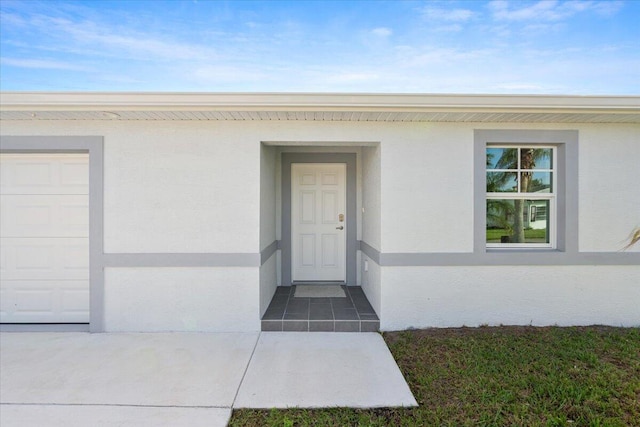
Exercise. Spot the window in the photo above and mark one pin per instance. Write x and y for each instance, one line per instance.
(520, 196)
(557, 208)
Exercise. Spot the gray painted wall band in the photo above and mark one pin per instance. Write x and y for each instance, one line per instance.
(350, 160)
(268, 252)
(182, 260)
(44, 327)
(498, 258)
(370, 251)
(78, 144)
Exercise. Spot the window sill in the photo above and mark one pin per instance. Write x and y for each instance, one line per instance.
(523, 250)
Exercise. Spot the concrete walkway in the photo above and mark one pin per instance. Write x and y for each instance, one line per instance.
(173, 379)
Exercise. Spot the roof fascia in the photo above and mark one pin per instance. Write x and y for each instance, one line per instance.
(166, 101)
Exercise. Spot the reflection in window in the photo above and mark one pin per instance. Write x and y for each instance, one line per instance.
(503, 221)
(511, 173)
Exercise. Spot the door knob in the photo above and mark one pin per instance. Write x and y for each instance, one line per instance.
(340, 228)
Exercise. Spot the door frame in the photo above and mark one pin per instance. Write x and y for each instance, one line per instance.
(351, 206)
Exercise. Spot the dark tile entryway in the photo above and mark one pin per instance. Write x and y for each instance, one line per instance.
(352, 313)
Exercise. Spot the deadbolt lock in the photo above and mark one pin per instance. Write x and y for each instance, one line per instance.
(341, 217)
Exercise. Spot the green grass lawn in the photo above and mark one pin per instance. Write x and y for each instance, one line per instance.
(503, 376)
(494, 234)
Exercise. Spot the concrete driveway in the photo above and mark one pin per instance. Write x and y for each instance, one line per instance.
(191, 379)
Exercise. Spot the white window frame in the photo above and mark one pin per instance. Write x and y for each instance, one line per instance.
(552, 196)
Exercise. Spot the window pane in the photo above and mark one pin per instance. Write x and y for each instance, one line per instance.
(502, 158)
(517, 221)
(536, 182)
(543, 158)
(501, 182)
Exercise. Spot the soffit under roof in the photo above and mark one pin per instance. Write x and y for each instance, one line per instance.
(318, 107)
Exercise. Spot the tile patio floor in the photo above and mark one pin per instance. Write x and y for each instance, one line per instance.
(288, 313)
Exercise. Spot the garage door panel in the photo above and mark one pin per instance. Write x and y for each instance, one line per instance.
(44, 216)
(44, 301)
(44, 238)
(75, 258)
(44, 174)
(44, 258)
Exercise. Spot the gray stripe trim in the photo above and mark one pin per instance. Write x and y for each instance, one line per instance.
(496, 258)
(44, 327)
(268, 252)
(183, 260)
(94, 145)
(370, 251)
(511, 258)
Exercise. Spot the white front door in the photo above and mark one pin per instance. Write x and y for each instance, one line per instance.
(318, 221)
(44, 238)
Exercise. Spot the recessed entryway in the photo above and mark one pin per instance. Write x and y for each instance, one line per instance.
(319, 241)
(44, 239)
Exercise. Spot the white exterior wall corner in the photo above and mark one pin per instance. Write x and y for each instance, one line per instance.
(268, 268)
(371, 225)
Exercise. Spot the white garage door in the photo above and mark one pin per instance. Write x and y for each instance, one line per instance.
(44, 238)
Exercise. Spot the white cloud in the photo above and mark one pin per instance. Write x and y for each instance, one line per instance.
(382, 32)
(223, 73)
(353, 78)
(411, 57)
(448, 15)
(136, 44)
(608, 8)
(549, 10)
(43, 64)
(63, 34)
(519, 87)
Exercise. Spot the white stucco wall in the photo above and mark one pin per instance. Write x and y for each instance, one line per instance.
(371, 203)
(510, 295)
(172, 187)
(268, 270)
(371, 224)
(268, 283)
(427, 187)
(609, 192)
(267, 195)
(199, 187)
(181, 299)
(372, 283)
(180, 187)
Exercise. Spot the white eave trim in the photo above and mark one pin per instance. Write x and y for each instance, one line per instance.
(164, 101)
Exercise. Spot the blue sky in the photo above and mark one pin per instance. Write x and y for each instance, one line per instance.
(551, 47)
